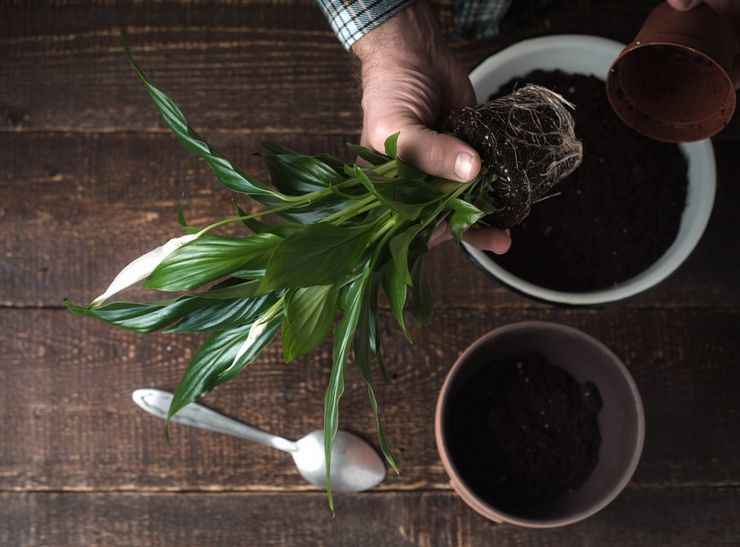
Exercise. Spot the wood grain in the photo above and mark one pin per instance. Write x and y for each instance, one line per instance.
(90, 179)
(678, 517)
(69, 423)
(236, 67)
(90, 203)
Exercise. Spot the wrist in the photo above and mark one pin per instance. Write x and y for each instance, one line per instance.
(410, 35)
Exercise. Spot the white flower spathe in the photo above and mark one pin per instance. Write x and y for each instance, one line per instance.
(141, 267)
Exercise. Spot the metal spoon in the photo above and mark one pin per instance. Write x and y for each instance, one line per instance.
(355, 466)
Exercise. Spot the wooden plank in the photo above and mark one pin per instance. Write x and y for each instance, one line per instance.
(65, 69)
(69, 423)
(86, 205)
(682, 517)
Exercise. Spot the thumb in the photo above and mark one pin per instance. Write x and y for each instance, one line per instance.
(438, 154)
(684, 5)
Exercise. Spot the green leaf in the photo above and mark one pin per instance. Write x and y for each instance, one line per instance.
(281, 229)
(138, 317)
(297, 174)
(399, 245)
(215, 363)
(422, 304)
(368, 154)
(309, 317)
(224, 314)
(205, 312)
(233, 289)
(408, 172)
(395, 288)
(362, 344)
(322, 254)
(352, 303)
(374, 331)
(209, 258)
(228, 174)
(313, 212)
(183, 223)
(385, 191)
(391, 146)
(464, 215)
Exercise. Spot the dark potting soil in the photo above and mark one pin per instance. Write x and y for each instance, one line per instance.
(523, 432)
(615, 215)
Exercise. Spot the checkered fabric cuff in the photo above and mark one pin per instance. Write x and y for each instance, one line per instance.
(479, 19)
(352, 19)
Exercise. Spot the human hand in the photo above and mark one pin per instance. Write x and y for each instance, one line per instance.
(730, 9)
(410, 80)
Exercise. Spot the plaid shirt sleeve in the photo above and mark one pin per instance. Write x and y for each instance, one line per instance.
(352, 19)
(480, 19)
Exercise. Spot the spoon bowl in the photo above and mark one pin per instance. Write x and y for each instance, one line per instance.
(355, 465)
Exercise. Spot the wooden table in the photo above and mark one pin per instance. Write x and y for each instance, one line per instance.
(90, 178)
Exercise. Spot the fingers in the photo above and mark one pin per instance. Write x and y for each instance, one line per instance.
(684, 5)
(434, 153)
(486, 239)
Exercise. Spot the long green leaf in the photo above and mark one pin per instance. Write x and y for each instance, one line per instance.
(204, 312)
(224, 314)
(362, 345)
(322, 254)
(297, 174)
(309, 316)
(352, 303)
(228, 174)
(280, 229)
(399, 246)
(313, 212)
(374, 331)
(214, 363)
(395, 288)
(368, 154)
(209, 258)
(422, 303)
(139, 317)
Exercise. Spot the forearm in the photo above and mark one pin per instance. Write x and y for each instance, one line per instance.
(409, 36)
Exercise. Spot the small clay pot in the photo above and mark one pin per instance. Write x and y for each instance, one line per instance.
(621, 419)
(674, 82)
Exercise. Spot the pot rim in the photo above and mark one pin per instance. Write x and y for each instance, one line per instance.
(483, 507)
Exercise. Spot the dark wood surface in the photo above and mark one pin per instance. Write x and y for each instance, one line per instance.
(90, 178)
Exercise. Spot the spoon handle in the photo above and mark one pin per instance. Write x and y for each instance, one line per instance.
(157, 402)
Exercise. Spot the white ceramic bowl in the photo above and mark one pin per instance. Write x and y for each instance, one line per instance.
(592, 55)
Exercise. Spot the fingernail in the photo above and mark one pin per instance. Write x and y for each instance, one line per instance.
(463, 166)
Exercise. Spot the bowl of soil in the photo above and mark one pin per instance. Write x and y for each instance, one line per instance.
(628, 216)
(539, 424)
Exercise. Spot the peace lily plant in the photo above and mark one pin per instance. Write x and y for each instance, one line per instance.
(346, 230)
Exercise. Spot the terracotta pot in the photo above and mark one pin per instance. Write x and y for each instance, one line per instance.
(673, 82)
(621, 419)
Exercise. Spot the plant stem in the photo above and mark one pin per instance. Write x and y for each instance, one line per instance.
(359, 206)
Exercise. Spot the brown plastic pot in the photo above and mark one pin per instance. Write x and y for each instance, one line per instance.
(673, 82)
(621, 419)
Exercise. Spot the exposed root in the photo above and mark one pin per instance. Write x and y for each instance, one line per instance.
(527, 138)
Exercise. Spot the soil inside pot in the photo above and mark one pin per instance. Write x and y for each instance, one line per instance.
(615, 215)
(522, 432)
